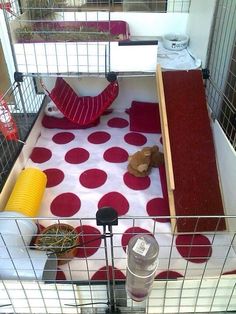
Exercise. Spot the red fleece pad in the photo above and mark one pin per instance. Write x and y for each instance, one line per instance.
(197, 190)
(116, 28)
(65, 124)
(144, 117)
(82, 110)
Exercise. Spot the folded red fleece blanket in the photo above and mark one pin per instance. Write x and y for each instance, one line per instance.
(64, 123)
(144, 117)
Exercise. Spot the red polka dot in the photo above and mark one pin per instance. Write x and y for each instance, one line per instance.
(194, 248)
(40, 155)
(116, 155)
(158, 207)
(65, 205)
(89, 239)
(63, 137)
(136, 139)
(103, 273)
(136, 183)
(168, 274)
(60, 276)
(129, 233)
(77, 156)
(116, 201)
(54, 177)
(93, 178)
(117, 123)
(99, 137)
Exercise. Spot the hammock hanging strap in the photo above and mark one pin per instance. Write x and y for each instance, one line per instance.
(82, 110)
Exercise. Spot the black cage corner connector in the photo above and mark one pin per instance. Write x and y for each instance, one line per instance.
(18, 77)
(111, 77)
(205, 74)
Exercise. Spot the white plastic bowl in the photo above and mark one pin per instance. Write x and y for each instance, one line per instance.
(175, 42)
(17, 260)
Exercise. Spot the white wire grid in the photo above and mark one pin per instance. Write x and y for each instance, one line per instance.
(40, 46)
(221, 88)
(182, 295)
(203, 294)
(24, 104)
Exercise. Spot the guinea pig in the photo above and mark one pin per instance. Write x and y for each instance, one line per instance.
(52, 111)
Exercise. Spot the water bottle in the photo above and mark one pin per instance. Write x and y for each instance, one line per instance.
(142, 261)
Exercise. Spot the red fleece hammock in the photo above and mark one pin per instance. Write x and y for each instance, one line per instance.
(82, 110)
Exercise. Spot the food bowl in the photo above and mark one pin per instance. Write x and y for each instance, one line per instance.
(175, 42)
(60, 239)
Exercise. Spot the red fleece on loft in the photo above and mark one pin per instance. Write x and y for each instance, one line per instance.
(82, 110)
(197, 190)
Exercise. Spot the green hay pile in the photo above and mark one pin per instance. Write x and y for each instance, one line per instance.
(57, 239)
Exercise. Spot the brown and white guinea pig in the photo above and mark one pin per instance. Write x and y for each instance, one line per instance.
(51, 110)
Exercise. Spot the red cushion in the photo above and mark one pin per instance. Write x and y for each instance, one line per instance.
(144, 117)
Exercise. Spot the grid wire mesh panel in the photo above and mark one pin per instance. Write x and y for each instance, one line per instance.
(161, 6)
(71, 37)
(33, 281)
(24, 104)
(221, 88)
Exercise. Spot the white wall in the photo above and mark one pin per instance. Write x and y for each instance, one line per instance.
(138, 88)
(226, 157)
(199, 27)
(140, 23)
(153, 24)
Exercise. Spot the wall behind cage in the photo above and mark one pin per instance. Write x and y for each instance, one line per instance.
(131, 88)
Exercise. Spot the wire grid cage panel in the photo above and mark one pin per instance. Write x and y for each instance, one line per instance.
(52, 58)
(113, 5)
(178, 6)
(58, 53)
(65, 42)
(221, 63)
(191, 296)
(35, 297)
(24, 104)
(185, 294)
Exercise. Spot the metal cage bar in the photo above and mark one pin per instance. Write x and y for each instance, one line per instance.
(221, 63)
(212, 289)
(55, 37)
(24, 104)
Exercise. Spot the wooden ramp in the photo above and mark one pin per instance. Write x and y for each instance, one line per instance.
(192, 177)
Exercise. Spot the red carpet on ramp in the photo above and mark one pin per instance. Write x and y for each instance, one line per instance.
(197, 190)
